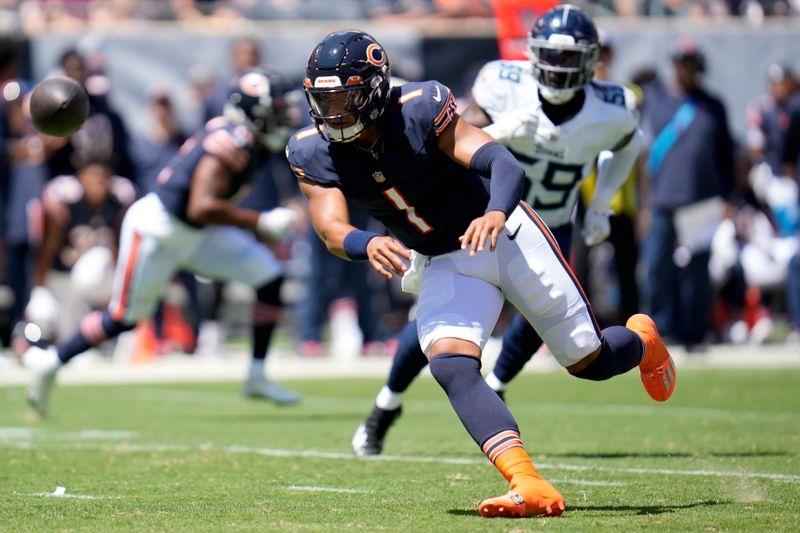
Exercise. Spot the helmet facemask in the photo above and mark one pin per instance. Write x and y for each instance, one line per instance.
(561, 65)
(346, 110)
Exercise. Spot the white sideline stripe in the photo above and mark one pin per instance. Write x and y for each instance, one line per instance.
(73, 496)
(788, 478)
(586, 482)
(23, 433)
(327, 489)
(615, 410)
(315, 454)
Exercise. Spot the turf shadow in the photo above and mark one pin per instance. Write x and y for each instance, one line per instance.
(678, 455)
(645, 509)
(637, 509)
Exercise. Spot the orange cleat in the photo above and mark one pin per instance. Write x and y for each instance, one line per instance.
(537, 498)
(656, 367)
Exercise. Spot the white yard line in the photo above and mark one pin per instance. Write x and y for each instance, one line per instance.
(339, 456)
(326, 489)
(58, 494)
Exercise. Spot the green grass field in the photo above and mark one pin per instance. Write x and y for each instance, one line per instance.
(722, 455)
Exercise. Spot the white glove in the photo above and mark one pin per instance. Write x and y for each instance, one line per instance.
(521, 123)
(276, 223)
(596, 226)
(42, 308)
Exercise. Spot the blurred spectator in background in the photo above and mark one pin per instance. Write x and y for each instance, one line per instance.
(622, 220)
(10, 109)
(75, 262)
(152, 150)
(245, 53)
(793, 300)
(769, 120)
(791, 144)
(690, 165)
(332, 278)
(791, 169)
(105, 129)
(24, 175)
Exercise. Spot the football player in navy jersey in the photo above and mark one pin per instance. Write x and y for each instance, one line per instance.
(557, 121)
(450, 195)
(191, 222)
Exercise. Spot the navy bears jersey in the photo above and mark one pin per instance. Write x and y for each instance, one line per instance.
(232, 145)
(422, 196)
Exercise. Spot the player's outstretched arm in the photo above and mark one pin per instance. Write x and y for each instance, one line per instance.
(613, 171)
(613, 168)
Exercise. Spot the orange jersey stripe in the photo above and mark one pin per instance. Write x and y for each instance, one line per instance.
(410, 96)
(448, 102)
(126, 284)
(557, 250)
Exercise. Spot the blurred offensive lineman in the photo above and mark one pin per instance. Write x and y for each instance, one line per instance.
(556, 122)
(82, 218)
(452, 195)
(190, 222)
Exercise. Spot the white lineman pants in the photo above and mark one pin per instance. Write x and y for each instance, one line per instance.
(154, 245)
(461, 296)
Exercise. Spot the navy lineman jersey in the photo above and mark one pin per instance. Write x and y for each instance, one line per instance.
(423, 197)
(232, 145)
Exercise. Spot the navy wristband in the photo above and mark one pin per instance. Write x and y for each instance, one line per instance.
(355, 244)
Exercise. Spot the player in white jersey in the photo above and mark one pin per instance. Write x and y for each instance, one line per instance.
(557, 122)
(557, 135)
(557, 143)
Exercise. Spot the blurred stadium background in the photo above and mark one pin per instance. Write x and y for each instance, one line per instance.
(160, 67)
(721, 455)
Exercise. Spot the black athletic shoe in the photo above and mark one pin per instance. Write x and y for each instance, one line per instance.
(369, 436)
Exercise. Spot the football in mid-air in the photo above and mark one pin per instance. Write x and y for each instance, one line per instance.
(59, 106)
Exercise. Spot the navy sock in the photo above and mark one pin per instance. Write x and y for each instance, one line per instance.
(520, 342)
(482, 412)
(408, 361)
(95, 328)
(621, 350)
(266, 314)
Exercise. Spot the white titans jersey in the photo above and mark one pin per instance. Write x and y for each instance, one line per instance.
(561, 156)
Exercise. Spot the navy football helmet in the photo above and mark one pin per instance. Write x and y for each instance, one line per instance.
(347, 84)
(251, 103)
(564, 46)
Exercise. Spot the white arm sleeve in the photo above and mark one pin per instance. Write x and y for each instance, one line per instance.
(613, 169)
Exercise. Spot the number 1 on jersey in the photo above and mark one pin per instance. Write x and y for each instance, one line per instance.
(400, 203)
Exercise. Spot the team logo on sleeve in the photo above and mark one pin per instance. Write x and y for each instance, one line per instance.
(378, 176)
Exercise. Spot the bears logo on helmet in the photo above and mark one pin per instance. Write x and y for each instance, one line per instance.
(347, 84)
